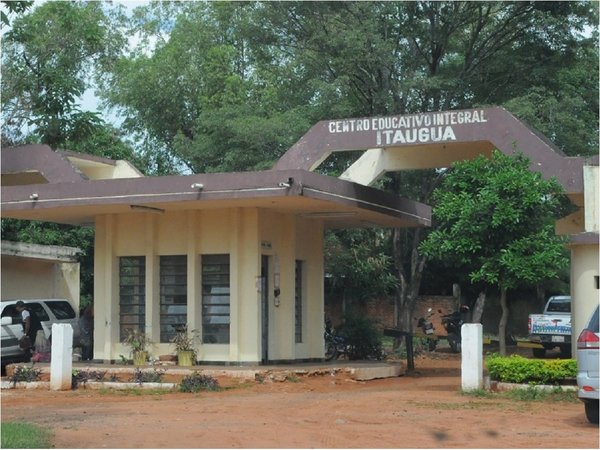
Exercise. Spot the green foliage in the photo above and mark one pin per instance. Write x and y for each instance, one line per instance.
(79, 377)
(136, 340)
(529, 394)
(543, 395)
(197, 382)
(25, 374)
(13, 7)
(147, 376)
(185, 341)
(516, 369)
(358, 263)
(495, 217)
(46, 62)
(25, 435)
(362, 337)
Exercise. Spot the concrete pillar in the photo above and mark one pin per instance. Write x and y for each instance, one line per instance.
(61, 362)
(472, 356)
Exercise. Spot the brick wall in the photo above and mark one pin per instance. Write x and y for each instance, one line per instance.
(382, 310)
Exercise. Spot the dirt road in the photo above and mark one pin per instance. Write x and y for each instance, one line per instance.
(425, 410)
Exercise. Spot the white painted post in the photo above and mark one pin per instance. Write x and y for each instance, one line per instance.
(61, 362)
(472, 356)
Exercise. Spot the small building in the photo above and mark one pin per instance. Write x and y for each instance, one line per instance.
(239, 256)
(39, 271)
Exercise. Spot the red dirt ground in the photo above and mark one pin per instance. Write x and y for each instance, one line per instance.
(425, 410)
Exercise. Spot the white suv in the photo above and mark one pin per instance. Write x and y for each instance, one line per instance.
(49, 311)
(588, 360)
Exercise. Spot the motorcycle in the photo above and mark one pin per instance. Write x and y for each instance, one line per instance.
(452, 323)
(424, 323)
(335, 345)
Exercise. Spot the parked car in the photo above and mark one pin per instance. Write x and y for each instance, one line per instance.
(552, 328)
(588, 362)
(49, 311)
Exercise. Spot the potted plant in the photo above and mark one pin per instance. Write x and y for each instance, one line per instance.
(184, 345)
(138, 343)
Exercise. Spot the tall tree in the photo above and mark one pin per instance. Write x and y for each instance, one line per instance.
(496, 219)
(47, 58)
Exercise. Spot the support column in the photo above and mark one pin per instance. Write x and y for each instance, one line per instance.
(61, 363)
(472, 356)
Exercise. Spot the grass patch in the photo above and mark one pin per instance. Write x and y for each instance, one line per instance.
(134, 391)
(530, 394)
(25, 435)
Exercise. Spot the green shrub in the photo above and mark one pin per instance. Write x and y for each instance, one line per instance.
(26, 374)
(363, 338)
(140, 376)
(517, 369)
(197, 382)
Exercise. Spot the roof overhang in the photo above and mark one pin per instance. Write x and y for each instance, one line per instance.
(339, 203)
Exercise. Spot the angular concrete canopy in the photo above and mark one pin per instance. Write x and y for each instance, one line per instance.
(430, 140)
(68, 197)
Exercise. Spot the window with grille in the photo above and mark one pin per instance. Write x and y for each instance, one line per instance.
(132, 294)
(173, 295)
(298, 301)
(215, 299)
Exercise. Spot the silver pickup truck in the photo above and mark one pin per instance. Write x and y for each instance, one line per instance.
(552, 328)
(49, 311)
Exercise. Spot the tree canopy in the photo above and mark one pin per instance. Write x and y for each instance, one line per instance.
(495, 218)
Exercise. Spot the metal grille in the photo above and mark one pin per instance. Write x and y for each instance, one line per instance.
(173, 295)
(215, 299)
(132, 294)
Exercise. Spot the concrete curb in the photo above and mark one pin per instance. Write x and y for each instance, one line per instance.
(500, 386)
(358, 372)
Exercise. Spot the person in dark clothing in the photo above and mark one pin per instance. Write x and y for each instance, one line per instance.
(31, 322)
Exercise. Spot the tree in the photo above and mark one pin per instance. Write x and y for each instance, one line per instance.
(359, 265)
(13, 7)
(47, 59)
(496, 219)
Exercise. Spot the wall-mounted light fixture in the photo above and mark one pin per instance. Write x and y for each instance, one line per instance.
(286, 184)
(149, 209)
(198, 186)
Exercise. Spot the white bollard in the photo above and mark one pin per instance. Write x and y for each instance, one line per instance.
(61, 362)
(472, 356)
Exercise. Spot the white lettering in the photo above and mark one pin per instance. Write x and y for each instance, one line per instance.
(448, 134)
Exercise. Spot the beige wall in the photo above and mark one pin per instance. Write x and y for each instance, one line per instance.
(26, 278)
(245, 234)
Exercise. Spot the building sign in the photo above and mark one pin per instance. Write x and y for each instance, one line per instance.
(409, 129)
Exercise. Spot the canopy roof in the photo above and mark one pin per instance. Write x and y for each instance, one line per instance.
(61, 193)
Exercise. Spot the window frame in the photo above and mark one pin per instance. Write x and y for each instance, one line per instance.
(216, 296)
(139, 294)
(173, 285)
